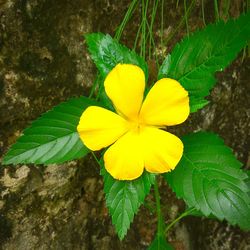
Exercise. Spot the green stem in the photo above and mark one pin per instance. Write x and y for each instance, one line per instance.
(203, 12)
(125, 20)
(151, 26)
(177, 4)
(144, 26)
(153, 43)
(118, 34)
(184, 214)
(101, 88)
(226, 9)
(160, 220)
(96, 83)
(162, 22)
(216, 9)
(96, 159)
(181, 22)
(186, 16)
(137, 36)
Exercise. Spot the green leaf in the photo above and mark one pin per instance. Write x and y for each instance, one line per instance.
(160, 243)
(197, 104)
(196, 58)
(53, 137)
(106, 52)
(248, 180)
(210, 179)
(164, 68)
(197, 213)
(123, 198)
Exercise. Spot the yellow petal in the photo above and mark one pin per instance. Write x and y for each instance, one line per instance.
(125, 86)
(162, 150)
(99, 127)
(167, 103)
(123, 160)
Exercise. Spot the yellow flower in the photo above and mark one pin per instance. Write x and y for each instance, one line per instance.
(135, 132)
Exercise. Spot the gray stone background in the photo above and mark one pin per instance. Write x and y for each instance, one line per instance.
(44, 61)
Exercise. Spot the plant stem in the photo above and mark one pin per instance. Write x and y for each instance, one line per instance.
(93, 154)
(184, 214)
(151, 26)
(162, 22)
(125, 20)
(216, 9)
(144, 27)
(160, 220)
(226, 9)
(96, 83)
(186, 16)
(118, 34)
(137, 36)
(177, 4)
(203, 12)
(181, 22)
(151, 36)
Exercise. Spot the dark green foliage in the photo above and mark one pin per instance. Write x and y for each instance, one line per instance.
(210, 179)
(106, 52)
(124, 198)
(196, 58)
(160, 243)
(52, 138)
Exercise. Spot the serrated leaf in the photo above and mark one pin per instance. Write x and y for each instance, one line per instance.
(106, 52)
(123, 198)
(53, 137)
(197, 213)
(196, 58)
(210, 179)
(160, 243)
(198, 104)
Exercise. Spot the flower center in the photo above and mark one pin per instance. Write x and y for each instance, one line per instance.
(136, 125)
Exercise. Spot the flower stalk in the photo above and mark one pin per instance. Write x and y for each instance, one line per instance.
(160, 219)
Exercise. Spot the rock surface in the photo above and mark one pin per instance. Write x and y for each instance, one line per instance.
(43, 61)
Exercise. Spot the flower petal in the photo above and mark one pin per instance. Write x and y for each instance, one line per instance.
(162, 150)
(125, 86)
(167, 103)
(123, 160)
(99, 127)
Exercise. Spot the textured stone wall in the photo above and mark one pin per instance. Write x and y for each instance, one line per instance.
(43, 61)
